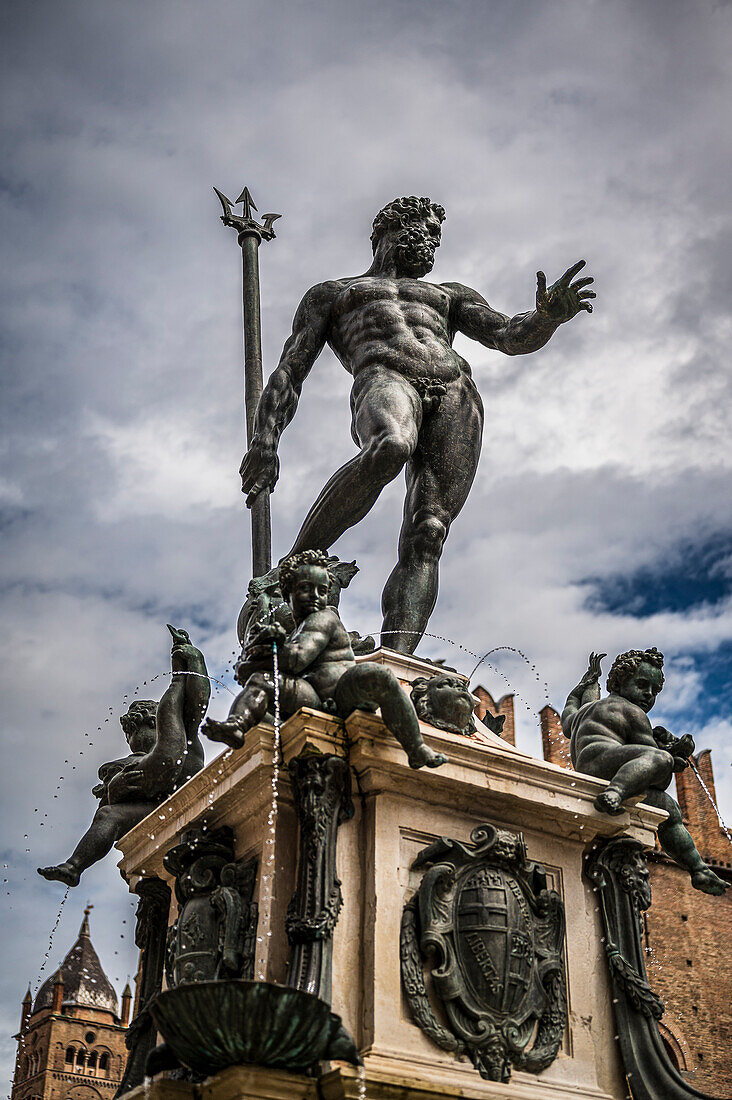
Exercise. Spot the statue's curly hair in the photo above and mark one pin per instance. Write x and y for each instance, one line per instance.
(400, 212)
(420, 690)
(139, 712)
(626, 663)
(289, 567)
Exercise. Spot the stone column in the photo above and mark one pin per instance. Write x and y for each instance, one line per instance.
(153, 911)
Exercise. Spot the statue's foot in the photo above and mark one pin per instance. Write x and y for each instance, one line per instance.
(709, 883)
(609, 801)
(228, 732)
(63, 872)
(424, 757)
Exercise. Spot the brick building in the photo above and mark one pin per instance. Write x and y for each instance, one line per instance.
(71, 1043)
(687, 933)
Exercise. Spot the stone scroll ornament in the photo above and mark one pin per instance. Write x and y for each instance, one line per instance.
(213, 938)
(151, 929)
(618, 870)
(322, 788)
(494, 933)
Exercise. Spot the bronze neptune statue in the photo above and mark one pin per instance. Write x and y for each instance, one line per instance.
(414, 402)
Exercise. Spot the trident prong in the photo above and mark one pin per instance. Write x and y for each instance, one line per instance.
(244, 223)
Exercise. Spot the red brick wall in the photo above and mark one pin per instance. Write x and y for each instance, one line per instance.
(688, 937)
(504, 706)
(555, 744)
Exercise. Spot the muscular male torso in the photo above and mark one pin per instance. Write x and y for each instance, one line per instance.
(401, 324)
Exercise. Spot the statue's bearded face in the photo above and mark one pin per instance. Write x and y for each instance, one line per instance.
(643, 685)
(415, 244)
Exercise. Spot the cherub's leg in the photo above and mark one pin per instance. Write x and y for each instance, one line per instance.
(108, 825)
(252, 704)
(368, 686)
(631, 769)
(247, 710)
(678, 843)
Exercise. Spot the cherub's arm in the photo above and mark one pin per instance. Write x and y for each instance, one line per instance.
(277, 405)
(586, 691)
(526, 332)
(312, 638)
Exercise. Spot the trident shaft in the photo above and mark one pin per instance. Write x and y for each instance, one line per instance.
(250, 235)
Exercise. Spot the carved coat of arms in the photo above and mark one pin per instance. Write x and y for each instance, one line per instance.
(494, 932)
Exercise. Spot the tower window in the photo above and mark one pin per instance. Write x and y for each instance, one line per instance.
(69, 1056)
(80, 1059)
(104, 1063)
(92, 1062)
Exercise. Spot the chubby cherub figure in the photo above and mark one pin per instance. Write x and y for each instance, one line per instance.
(317, 668)
(165, 753)
(612, 739)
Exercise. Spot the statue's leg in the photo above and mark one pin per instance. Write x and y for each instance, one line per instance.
(678, 843)
(387, 413)
(368, 686)
(247, 710)
(631, 769)
(439, 478)
(108, 825)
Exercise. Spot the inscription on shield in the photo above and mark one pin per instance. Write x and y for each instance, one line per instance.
(494, 941)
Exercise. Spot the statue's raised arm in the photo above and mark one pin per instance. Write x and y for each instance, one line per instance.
(526, 332)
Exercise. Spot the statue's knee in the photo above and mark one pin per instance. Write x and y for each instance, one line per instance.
(663, 765)
(387, 455)
(429, 535)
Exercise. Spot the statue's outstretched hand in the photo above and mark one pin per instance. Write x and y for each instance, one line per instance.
(259, 470)
(564, 299)
(594, 670)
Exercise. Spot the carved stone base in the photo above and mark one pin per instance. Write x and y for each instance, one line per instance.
(398, 813)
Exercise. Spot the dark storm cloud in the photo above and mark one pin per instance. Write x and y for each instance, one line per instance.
(549, 131)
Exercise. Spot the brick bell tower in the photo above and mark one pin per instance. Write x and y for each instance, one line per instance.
(71, 1042)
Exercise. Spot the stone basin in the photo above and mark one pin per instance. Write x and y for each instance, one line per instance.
(212, 1025)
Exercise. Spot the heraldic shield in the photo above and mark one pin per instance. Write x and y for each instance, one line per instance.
(494, 934)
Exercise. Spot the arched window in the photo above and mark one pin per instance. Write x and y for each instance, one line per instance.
(92, 1062)
(80, 1059)
(104, 1064)
(69, 1056)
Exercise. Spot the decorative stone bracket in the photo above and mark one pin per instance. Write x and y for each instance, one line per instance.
(322, 791)
(618, 870)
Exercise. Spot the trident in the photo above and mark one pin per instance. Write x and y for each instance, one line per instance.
(251, 234)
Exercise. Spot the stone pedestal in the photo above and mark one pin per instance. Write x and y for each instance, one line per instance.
(397, 813)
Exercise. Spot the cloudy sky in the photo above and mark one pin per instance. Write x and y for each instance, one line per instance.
(601, 515)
